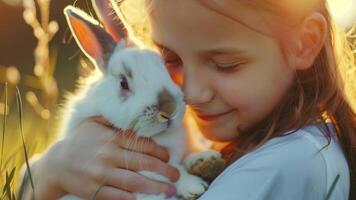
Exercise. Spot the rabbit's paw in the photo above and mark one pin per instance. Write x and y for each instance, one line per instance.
(207, 165)
(140, 196)
(69, 197)
(190, 187)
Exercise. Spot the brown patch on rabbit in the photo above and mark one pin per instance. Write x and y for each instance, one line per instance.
(166, 103)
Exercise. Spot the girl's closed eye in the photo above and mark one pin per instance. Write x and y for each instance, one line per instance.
(228, 63)
(222, 63)
(228, 67)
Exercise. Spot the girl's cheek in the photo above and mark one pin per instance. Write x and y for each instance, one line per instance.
(247, 98)
(231, 91)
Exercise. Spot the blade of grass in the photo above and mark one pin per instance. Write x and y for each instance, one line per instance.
(332, 187)
(7, 186)
(10, 177)
(4, 127)
(4, 189)
(93, 197)
(7, 191)
(12, 173)
(20, 110)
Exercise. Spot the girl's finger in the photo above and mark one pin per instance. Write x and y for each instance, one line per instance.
(102, 121)
(134, 182)
(112, 193)
(129, 141)
(101, 190)
(83, 191)
(134, 161)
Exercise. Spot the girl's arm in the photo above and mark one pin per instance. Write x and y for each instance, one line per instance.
(46, 190)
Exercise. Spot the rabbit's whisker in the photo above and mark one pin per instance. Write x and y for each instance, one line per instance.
(140, 150)
(130, 144)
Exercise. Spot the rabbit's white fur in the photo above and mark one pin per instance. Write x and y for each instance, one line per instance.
(102, 96)
(135, 109)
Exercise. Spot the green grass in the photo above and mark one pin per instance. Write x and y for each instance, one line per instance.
(22, 137)
(20, 112)
(7, 190)
(4, 126)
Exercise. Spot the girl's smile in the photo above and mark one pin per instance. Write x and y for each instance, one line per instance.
(212, 117)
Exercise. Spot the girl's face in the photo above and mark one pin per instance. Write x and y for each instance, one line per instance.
(232, 76)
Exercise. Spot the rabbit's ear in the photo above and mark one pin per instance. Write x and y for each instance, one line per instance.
(114, 23)
(94, 41)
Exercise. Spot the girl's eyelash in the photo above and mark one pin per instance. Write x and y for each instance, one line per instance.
(171, 60)
(220, 67)
(228, 67)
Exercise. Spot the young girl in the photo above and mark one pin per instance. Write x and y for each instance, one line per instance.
(261, 77)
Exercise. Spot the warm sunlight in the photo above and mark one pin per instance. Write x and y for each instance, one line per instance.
(339, 5)
(65, 124)
(343, 11)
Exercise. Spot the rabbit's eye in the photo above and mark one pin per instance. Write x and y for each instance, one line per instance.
(124, 84)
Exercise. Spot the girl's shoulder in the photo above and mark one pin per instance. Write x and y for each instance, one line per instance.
(299, 163)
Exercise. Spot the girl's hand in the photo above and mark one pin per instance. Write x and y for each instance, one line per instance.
(97, 156)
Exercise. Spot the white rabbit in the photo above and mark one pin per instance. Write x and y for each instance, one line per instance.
(134, 92)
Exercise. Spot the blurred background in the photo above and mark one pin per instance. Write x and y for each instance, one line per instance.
(39, 56)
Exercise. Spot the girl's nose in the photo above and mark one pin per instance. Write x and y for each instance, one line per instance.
(196, 87)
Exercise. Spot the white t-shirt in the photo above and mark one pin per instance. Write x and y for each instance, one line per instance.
(286, 168)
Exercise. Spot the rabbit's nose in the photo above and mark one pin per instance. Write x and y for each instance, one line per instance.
(163, 117)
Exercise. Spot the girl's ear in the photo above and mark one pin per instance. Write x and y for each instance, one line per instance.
(92, 39)
(113, 23)
(310, 39)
